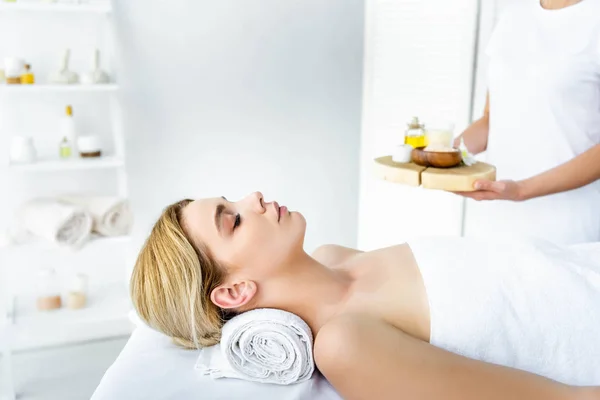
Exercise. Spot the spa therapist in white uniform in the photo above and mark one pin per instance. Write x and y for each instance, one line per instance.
(541, 127)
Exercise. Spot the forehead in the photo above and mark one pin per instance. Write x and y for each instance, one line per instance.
(201, 207)
(198, 218)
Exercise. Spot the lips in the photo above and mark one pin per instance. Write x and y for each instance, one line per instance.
(277, 210)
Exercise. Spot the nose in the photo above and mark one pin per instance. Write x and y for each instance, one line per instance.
(255, 200)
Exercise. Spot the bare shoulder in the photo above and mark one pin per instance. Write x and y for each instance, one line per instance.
(333, 254)
(335, 339)
(342, 341)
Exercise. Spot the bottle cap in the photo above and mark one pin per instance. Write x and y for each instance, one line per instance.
(415, 124)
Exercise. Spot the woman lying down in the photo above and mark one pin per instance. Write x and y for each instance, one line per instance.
(436, 318)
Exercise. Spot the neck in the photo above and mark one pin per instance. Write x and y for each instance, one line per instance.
(558, 4)
(308, 289)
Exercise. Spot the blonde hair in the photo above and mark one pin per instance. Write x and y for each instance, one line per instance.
(172, 281)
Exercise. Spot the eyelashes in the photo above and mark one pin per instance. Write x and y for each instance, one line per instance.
(238, 220)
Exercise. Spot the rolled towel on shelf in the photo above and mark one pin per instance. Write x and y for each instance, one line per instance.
(56, 221)
(112, 215)
(263, 345)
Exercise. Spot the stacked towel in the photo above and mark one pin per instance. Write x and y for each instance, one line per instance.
(112, 215)
(56, 221)
(264, 345)
(69, 221)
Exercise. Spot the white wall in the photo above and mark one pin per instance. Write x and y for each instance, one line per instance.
(227, 97)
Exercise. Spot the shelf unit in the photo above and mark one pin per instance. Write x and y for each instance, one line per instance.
(47, 88)
(106, 314)
(94, 241)
(30, 6)
(49, 165)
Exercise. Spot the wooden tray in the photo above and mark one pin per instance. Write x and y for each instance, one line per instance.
(456, 179)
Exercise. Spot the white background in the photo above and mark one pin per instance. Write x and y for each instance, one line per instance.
(227, 97)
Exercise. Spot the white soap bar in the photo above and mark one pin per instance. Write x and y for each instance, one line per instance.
(402, 153)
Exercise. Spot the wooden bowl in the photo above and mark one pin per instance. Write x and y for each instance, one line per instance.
(437, 159)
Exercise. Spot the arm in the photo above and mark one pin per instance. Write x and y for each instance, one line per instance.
(476, 135)
(580, 171)
(368, 359)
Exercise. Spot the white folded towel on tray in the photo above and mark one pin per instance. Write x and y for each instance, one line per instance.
(112, 215)
(56, 221)
(263, 345)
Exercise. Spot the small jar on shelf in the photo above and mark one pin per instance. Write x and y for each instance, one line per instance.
(14, 69)
(22, 150)
(78, 292)
(27, 78)
(48, 290)
(89, 146)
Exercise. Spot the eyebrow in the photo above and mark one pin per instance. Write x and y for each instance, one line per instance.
(219, 217)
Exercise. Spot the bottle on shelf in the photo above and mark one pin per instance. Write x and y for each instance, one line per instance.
(68, 133)
(65, 150)
(96, 75)
(27, 78)
(64, 76)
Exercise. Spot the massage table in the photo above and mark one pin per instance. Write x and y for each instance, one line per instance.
(151, 367)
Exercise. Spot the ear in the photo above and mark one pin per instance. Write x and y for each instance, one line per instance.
(233, 295)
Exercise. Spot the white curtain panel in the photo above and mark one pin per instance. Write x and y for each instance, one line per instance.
(419, 61)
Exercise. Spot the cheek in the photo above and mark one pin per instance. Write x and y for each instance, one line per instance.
(262, 248)
(249, 249)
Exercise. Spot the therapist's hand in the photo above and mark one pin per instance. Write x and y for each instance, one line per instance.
(495, 190)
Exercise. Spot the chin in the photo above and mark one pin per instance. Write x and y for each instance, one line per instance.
(299, 219)
(299, 227)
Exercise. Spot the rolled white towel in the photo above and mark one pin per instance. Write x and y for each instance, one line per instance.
(112, 215)
(58, 222)
(263, 345)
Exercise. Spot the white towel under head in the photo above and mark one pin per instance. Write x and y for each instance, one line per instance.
(263, 345)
